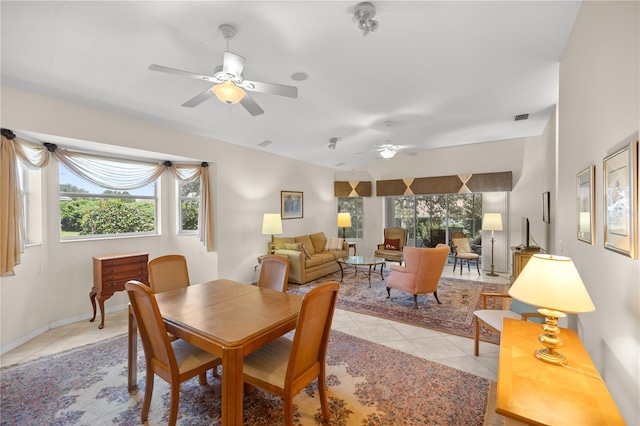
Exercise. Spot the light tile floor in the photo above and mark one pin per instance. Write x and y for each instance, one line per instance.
(443, 348)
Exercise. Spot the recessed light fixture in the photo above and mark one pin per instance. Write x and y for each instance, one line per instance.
(299, 76)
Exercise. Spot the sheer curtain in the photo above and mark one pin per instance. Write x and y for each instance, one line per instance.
(103, 171)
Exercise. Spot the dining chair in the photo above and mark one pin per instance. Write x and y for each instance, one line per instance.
(168, 273)
(175, 362)
(462, 251)
(421, 273)
(493, 318)
(274, 273)
(284, 367)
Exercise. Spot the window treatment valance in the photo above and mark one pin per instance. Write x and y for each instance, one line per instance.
(454, 184)
(106, 172)
(352, 188)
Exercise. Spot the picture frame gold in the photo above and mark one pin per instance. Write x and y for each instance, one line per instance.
(291, 204)
(620, 177)
(586, 221)
(546, 209)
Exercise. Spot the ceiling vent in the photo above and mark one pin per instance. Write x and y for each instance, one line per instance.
(520, 117)
(265, 143)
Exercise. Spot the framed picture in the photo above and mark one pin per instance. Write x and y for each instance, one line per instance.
(546, 196)
(620, 171)
(586, 205)
(291, 204)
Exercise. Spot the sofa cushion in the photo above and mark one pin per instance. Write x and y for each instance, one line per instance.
(314, 260)
(318, 240)
(279, 242)
(337, 254)
(325, 256)
(391, 244)
(334, 243)
(306, 240)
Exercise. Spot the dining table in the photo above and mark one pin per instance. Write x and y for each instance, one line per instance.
(226, 318)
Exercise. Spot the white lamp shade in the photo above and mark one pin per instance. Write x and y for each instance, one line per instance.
(344, 220)
(228, 92)
(492, 222)
(271, 224)
(552, 282)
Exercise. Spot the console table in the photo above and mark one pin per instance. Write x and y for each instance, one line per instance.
(519, 259)
(534, 392)
(111, 272)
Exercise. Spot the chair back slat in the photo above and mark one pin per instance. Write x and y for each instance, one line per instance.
(168, 273)
(274, 273)
(309, 347)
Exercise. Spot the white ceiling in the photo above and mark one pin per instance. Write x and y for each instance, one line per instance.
(445, 73)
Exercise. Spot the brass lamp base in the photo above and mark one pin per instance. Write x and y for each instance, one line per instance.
(550, 338)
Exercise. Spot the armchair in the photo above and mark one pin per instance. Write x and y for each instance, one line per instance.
(492, 318)
(462, 250)
(421, 273)
(394, 241)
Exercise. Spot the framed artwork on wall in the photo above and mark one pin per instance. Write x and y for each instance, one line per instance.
(586, 205)
(546, 198)
(291, 204)
(620, 175)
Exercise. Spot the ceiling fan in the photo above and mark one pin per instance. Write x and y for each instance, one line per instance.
(388, 150)
(230, 86)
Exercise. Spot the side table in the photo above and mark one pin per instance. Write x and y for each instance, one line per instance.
(352, 245)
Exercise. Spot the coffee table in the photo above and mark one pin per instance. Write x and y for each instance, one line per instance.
(356, 261)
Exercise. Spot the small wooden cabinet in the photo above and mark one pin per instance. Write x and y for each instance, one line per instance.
(519, 259)
(111, 272)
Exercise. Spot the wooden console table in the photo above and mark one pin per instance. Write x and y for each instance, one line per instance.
(534, 392)
(111, 272)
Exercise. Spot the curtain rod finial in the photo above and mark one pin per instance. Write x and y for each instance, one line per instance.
(8, 134)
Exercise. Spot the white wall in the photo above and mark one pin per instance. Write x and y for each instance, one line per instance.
(53, 282)
(599, 113)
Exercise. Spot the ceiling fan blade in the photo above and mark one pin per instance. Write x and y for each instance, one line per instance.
(371, 150)
(271, 88)
(197, 100)
(232, 64)
(154, 67)
(405, 152)
(250, 105)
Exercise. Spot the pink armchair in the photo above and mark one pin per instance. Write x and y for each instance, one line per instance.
(421, 273)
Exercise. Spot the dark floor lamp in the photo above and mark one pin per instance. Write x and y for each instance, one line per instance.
(492, 222)
(344, 221)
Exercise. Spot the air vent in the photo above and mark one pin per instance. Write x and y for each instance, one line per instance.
(265, 143)
(340, 164)
(520, 117)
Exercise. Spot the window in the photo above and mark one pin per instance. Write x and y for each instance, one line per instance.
(89, 211)
(355, 206)
(30, 196)
(189, 204)
(431, 219)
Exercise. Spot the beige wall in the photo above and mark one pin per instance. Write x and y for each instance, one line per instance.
(599, 113)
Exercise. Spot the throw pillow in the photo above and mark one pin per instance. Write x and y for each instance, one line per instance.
(304, 249)
(318, 240)
(334, 244)
(306, 240)
(391, 244)
(292, 246)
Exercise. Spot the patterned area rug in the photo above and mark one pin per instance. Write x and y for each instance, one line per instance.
(455, 315)
(369, 384)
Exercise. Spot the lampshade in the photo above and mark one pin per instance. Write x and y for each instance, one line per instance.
(492, 222)
(271, 224)
(344, 220)
(228, 92)
(552, 282)
(585, 221)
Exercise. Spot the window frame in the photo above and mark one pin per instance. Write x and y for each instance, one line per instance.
(357, 217)
(180, 211)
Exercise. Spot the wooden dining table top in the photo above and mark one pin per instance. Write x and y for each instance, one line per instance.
(227, 313)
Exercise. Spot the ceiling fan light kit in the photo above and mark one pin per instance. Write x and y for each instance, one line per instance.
(228, 92)
(387, 152)
(364, 13)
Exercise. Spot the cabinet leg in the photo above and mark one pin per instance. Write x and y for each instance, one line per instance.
(92, 297)
(101, 303)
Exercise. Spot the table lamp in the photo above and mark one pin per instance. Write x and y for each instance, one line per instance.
(344, 221)
(271, 225)
(492, 222)
(552, 283)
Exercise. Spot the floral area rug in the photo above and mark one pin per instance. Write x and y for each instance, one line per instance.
(455, 315)
(369, 384)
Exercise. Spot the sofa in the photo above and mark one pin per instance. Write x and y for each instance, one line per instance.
(311, 256)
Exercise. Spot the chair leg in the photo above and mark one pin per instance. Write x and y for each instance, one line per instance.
(478, 266)
(322, 390)
(288, 410)
(415, 301)
(148, 391)
(388, 292)
(175, 399)
(468, 265)
(435, 293)
(476, 339)
(455, 263)
(202, 378)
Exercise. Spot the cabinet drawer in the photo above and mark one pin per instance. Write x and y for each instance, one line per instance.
(119, 262)
(130, 268)
(131, 275)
